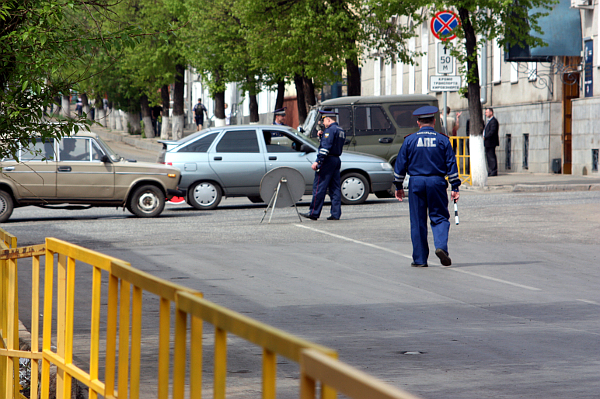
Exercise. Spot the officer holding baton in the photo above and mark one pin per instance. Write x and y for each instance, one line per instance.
(427, 157)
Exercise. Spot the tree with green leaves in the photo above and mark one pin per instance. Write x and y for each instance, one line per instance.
(40, 52)
(507, 21)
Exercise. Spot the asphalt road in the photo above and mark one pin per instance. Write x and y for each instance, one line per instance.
(515, 316)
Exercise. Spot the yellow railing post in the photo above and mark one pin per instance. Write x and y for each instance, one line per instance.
(460, 144)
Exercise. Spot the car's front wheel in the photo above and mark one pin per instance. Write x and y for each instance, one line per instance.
(205, 195)
(355, 189)
(6, 206)
(147, 202)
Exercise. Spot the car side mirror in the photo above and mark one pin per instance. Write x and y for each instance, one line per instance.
(306, 148)
(300, 129)
(105, 158)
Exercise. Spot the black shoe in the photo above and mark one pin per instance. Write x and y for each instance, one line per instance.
(332, 218)
(415, 265)
(308, 216)
(444, 258)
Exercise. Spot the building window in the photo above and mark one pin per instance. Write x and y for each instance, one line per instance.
(496, 62)
(507, 151)
(526, 151)
(594, 160)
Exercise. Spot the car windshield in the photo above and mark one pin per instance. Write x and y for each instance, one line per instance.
(310, 120)
(109, 151)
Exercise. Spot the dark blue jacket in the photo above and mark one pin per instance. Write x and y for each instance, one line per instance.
(426, 153)
(332, 142)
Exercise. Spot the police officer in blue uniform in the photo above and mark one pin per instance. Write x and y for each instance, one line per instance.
(279, 116)
(327, 168)
(427, 157)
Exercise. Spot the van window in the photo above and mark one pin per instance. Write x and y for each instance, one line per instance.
(372, 120)
(344, 120)
(403, 114)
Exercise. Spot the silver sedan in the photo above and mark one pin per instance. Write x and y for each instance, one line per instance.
(232, 160)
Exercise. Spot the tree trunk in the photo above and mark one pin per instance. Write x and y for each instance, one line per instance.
(220, 108)
(165, 126)
(353, 76)
(65, 107)
(477, 153)
(178, 115)
(133, 123)
(309, 92)
(86, 105)
(146, 117)
(280, 94)
(254, 118)
(302, 113)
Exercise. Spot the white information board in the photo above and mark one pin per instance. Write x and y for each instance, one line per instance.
(444, 83)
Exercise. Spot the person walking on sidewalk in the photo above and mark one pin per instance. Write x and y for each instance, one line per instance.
(327, 168)
(427, 157)
(491, 141)
(199, 111)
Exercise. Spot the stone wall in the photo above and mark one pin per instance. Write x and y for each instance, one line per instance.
(586, 134)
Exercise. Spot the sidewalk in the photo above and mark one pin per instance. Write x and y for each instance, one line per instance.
(515, 182)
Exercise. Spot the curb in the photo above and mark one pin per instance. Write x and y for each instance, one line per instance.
(537, 188)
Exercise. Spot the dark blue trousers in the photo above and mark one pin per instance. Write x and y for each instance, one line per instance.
(328, 177)
(428, 193)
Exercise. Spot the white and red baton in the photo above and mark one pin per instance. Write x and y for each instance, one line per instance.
(455, 212)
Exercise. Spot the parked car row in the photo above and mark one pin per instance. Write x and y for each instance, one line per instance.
(231, 161)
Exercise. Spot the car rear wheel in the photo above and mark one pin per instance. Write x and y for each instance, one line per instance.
(355, 189)
(6, 206)
(205, 195)
(147, 202)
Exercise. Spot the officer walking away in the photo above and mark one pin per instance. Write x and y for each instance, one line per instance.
(327, 168)
(199, 111)
(491, 141)
(279, 117)
(427, 157)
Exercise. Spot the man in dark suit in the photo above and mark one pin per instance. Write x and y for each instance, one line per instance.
(491, 141)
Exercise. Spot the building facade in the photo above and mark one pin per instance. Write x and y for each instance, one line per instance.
(548, 113)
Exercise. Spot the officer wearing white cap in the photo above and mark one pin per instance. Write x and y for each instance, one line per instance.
(279, 117)
(427, 157)
(327, 168)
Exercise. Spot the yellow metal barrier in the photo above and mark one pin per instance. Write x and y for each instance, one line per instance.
(119, 358)
(314, 366)
(460, 144)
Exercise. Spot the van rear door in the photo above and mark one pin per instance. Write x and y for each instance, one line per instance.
(374, 132)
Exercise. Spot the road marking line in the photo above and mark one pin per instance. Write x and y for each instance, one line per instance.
(356, 241)
(590, 302)
(410, 257)
(496, 279)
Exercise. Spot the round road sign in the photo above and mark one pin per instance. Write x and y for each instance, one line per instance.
(443, 23)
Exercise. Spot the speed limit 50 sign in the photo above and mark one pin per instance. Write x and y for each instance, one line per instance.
(445, 62)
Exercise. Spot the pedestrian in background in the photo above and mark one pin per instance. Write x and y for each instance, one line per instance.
(453, 123)
(427, 157)
(491, 141)
(327, 168)
(199, 111)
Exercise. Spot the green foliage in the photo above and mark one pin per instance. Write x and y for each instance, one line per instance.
(43, 53)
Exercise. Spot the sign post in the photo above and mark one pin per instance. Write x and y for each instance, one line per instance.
(442, 26)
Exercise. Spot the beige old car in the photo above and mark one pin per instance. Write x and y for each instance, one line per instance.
(83, 170)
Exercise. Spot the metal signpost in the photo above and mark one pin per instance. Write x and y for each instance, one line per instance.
(442, 26)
